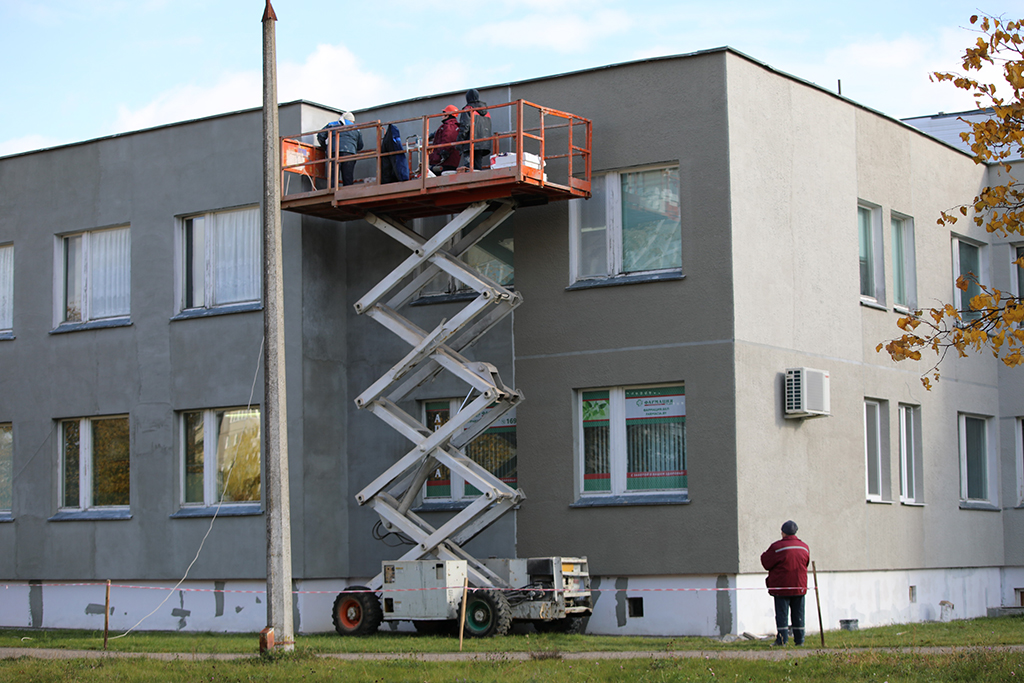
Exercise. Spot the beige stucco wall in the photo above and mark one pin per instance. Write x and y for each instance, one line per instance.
(804, 158)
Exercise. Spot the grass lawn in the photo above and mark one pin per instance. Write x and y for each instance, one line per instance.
(832, 667)
(973, 632)
(839, 662)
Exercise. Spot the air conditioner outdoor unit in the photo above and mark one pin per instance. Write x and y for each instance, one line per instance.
(806, 392)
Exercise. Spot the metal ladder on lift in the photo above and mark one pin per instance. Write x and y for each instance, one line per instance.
(393, 493)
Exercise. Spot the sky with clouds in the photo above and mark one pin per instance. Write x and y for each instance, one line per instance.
(79, 70)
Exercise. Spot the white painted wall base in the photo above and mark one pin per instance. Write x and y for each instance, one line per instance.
(225, 607)
(689, 606)
(706, 605)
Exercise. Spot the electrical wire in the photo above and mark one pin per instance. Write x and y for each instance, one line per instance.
(380, 535)
(252, 392)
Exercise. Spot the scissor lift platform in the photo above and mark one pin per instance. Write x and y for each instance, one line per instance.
(543, 157)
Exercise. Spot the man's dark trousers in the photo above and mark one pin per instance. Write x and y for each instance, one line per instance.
(786, 605)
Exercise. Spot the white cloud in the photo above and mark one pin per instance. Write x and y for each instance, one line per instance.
(233, 91)
(331, 75)
(892, 76)
(28, 143)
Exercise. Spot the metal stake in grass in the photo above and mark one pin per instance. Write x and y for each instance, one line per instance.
(462, 618)
(106, 616)
(817, 598)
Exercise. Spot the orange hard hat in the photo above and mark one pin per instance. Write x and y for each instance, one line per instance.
(450, 109)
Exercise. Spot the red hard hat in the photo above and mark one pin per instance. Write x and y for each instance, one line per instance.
(450, 109)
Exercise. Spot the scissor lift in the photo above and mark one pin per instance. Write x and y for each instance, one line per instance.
(553, 592)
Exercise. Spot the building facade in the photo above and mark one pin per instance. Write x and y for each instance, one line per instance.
(743, 222)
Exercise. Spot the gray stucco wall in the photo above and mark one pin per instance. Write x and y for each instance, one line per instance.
(149, 370)
(675, 331)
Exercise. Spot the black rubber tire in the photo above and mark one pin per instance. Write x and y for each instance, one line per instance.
(572, 625)
(357, 613)
(487, 614)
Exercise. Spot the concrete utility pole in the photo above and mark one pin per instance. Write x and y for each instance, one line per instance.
(275, 413)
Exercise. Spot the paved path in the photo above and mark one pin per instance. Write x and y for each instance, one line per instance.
(768, 654)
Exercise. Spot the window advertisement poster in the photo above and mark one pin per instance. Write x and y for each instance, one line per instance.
(655, 438)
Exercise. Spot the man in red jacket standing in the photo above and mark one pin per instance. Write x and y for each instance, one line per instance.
(786, 561)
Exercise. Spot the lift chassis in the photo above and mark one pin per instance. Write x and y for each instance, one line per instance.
(426, 585)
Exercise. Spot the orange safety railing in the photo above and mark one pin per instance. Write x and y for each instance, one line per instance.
(544, 146)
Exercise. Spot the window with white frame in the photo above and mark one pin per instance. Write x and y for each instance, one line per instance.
(632, 440)
(221, 456)
(876, 452)
(968, 264)
(6, 287)
(6, 466)
(221, 259)
(494, 450)
(95, 462)
(1020, 461)
(974, 458)
(910, 454)
(95, 269)
(1017, 254)
(629, 225)
(904, 262)
(869, 231)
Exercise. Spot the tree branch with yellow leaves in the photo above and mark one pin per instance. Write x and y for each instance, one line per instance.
(993, 319)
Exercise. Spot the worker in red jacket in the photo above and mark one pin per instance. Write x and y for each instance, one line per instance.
(786, 561)
(445, 158)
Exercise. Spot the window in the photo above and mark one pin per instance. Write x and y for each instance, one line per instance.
(974, 458)
(96, 275)
(629, 225)
(872, 275)
(910, 454)
(494, 450)
(632, 440)
(904, 262)
(873, 448)
(967, 263)
(1017, 254)
(224, 468)
(1020, 462)
(94, 463)
(221, 259)
(6, 288)
(6, 466)
(493, 256)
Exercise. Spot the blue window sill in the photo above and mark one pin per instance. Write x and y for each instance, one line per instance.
(226, 510)
(90, 515)
(6, 517)
(6, 336)
(218, 310)
(635, 499)
(871, 303)
(978, 505)
(615, 280)
(91, 325)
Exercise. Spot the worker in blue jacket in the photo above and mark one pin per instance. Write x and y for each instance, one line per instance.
(341, 143)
